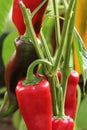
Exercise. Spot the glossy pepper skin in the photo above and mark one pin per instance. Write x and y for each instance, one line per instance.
(62, 124)
(70, 99)
(15, 69)
(18, 64)
(35, 104)
(37, 18)
(70, 102)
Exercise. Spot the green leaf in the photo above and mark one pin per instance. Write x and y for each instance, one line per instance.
(16, 119)
(22, 125)
(81, 120)
(2, 90)
(8, 47)
(82, 54)
(1, 101)
(5, 6)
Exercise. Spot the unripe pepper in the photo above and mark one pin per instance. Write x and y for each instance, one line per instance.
(35, 104)
(37, 18)
(62, 124)
(18, 64)
(16, 69)
(70, 99)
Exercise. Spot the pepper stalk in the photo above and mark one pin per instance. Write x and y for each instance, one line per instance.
(65, 44)
(68, 46)
(27, 17)
(65, 49)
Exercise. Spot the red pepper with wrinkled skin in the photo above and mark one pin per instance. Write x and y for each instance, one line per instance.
(70, 99)
(37, 18)
(36, 109)
(62, 124)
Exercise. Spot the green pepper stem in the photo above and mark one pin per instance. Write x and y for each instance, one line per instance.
(31, 78)
(65, 4)
(46, 49)
(53, 84)
(64, 40)
(37, 9)
(30, 29)
(57, 25)
(65, 44)
(66, 69)
(60, 102)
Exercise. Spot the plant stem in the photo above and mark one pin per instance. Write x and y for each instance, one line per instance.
(63, 42)
(66, 69)
(60, 101)
(31, 78)
(46, 49)
(65, 46)
(65, 4)
(37, 9)
(53, 84)
(57, 25)
(30, 29)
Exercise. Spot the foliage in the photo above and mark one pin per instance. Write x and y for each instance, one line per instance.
(82, 114)
(5, 7)
(8, 49)
(82, 54)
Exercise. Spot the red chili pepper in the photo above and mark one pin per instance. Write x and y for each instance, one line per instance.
(70, 100)
(62, 124)
(35, 104)
(37, 18)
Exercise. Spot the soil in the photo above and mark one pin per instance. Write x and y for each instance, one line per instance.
(6, 124)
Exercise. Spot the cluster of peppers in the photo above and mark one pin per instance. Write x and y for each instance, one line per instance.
(47, 101)
(37, 108)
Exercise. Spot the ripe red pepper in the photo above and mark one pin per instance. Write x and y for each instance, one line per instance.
(35, 104)
(37, 18)
(70, 100)
(62, 124)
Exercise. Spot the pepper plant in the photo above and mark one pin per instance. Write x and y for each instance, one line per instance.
(40, 81)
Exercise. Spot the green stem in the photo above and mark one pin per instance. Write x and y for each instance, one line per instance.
(30, 29)
(65, 45)
(57, 25)
(66, 69)
(37, 9)
(46, 49)
(65, 4)
(31, 78)
(60, 102)
(53, 84)
(63, 42)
